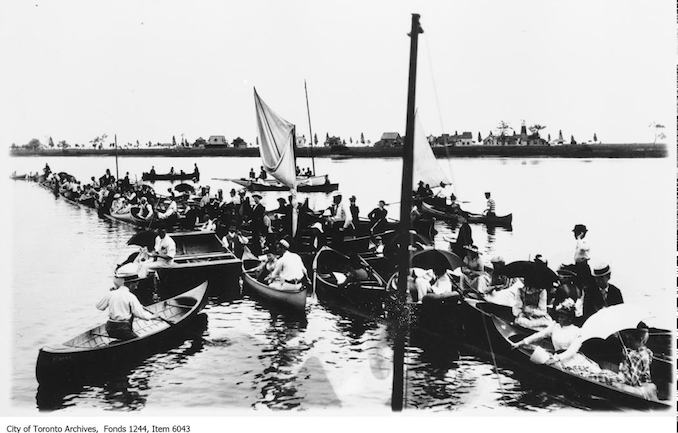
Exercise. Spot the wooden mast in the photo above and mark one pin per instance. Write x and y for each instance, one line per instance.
(404, 226)
(310, 131)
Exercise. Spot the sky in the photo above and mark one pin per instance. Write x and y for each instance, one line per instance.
(150, 70)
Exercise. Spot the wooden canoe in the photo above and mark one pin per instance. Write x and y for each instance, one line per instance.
(152, 177)
(269, 185)
(292, 300)
(498, 320)
(497, 220)
(363, 287)
(94, 349)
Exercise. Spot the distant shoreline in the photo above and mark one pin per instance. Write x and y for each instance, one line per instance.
(631, 150)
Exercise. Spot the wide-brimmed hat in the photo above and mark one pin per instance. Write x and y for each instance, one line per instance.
(255, 195)
(579, 228)
(352, 198)
(601, 269)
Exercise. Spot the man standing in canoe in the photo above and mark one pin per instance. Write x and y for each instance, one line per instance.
(603, 294)
(377, 217)
(289, 271)
(258, 226)
(164, 251)
(123, 307)
(491, 206)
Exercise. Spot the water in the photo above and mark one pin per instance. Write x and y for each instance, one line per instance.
(252, 357)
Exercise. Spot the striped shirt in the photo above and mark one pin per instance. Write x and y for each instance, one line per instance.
(490, 205)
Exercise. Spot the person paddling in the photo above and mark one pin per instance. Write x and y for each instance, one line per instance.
(123, 306)
(289, 271)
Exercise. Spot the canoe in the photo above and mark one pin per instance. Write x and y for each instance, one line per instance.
(498, 321)
(19, 177)
(199, 256)
(497, 220)
(339, 279)
(304, 185)
(291, 300)
(95, 350)
(170, 176)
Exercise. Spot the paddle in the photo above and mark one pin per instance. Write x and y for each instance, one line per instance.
(169, 322)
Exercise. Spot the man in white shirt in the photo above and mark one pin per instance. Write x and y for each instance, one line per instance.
(171, 210)
(341, 217)
(164, 251)
(289, 271)
(123, 307)
(582, 250)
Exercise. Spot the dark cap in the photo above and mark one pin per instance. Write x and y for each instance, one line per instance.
(578, 228)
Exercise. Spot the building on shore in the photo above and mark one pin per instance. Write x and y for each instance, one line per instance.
(389, 139)
(463, 139)
(522, 139)
(216, 141)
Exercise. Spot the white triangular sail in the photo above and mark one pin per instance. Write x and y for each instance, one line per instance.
(426, 166)
(276, 143)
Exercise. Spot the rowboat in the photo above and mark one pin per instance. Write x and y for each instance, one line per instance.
(267, 185)
(199, 256)
(496, 220)
(152, 177)
(340, 279)
(498, 323)
(292, 300)
(96, 351)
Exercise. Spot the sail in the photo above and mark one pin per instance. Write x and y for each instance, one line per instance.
(426, 166)
(276, 143)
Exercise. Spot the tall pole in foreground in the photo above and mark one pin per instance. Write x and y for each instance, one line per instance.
(310, 131)
(115, 137)
(404, 226)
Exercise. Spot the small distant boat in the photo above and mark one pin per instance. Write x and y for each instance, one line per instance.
(152, 177)
(292, 300)
(497, 220)
(304, 184)
(95, 350)
(348, 282)
(19, 177)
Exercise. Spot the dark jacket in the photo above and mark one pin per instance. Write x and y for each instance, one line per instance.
(593, 299)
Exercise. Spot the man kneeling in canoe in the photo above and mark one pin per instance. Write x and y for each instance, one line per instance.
(289, 271)
(123, 307)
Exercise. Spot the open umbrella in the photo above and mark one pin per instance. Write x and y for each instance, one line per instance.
(613, 319)
(144, 238)
(537, 273)
(429, 259)
(184, 187)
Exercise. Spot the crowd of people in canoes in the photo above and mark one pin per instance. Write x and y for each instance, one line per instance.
(554, 304)
(448, 199)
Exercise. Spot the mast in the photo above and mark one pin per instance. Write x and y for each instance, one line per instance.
(115, 137)
(404, 226)
(310, 131)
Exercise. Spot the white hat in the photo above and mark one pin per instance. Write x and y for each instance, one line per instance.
(600, 269)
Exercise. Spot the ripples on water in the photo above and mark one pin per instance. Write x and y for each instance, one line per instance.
(250, 356)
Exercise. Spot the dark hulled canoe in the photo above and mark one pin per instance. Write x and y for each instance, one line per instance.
(19, 177)
(498, 321)
(152, 177)
(277, 186)
(94, 349)
(497, 220)
(292, 300)
(363, 287)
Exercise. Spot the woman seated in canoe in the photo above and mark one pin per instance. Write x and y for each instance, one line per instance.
(502, 290)
(474, 274)
(567, 340)
(635, 368)
(266, 267)
(530, 310)
(433, 283)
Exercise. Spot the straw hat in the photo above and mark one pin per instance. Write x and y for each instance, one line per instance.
(601, 269)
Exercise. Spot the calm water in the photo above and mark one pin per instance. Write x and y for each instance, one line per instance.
(252, 357)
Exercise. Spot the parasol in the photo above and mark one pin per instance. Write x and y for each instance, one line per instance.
(430, 259)
(144, 238)
(184, 187)
(613, 319)
(536, 273)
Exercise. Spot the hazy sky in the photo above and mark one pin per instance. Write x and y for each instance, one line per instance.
(152, 69)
